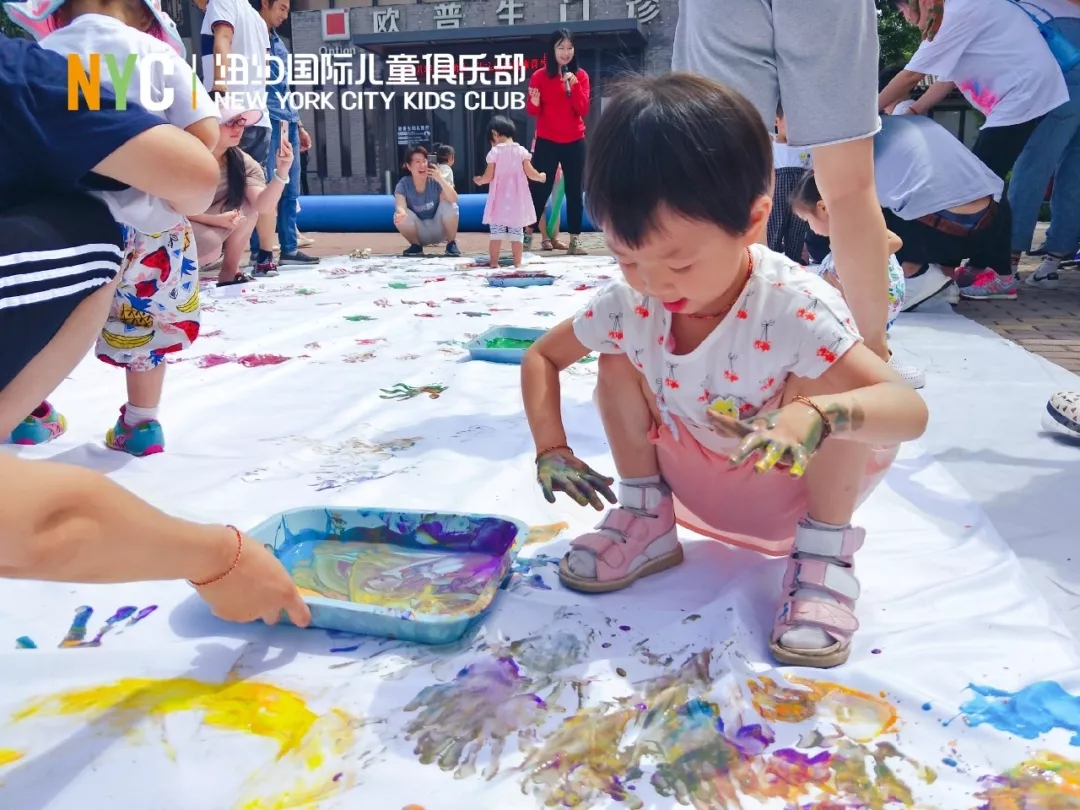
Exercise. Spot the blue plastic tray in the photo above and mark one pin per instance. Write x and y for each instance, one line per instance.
(478, 349)
(427, 577)
(522, 278)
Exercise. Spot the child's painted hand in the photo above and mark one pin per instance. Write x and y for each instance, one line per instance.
(788, 437)
(559, 470)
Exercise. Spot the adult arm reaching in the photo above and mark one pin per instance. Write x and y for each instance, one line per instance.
(933, 96)
(449, 193)
(67, 524)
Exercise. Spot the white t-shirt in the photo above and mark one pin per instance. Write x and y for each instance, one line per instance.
(787, 321)
(251, 42)
(788, 157)
(96, 33)
(921, 168)
(995, 54)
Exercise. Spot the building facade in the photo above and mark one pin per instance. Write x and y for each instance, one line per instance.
(399, 72)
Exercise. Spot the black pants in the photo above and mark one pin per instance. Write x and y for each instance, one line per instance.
(786, 231)
(55, 252)
(987, 247)
(547, 157)
(999, 147)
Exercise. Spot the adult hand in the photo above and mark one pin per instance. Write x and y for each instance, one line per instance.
(534, 94)
(400, 217)
(788, 437)
(258, 588)
(571, 79)
(930, 13)
(480, 181)
(305, 140)
(434, 174)
(230, 219)
(559, 470)
(284, 159)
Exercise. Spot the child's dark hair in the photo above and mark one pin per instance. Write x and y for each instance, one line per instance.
(443, 152)
(680, 142)
(501, 125)
(410, 153)
(550, 62)
(805, 195)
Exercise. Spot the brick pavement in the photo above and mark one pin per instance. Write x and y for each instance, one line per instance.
(1044, 322)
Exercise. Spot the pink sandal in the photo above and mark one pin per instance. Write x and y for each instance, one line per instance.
(822, 560)
(635, 540)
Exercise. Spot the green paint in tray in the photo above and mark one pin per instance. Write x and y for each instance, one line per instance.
(508, 343)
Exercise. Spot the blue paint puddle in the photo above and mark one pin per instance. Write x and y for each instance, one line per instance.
(926, 707)
(949, 761)
(25, 643)
(1033, 711)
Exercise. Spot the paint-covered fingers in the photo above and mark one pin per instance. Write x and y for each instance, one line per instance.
(728, 426)
(748, 448)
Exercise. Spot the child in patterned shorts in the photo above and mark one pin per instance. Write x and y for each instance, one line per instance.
(155, 311)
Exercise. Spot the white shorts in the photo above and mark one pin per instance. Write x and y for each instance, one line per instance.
(500, 232)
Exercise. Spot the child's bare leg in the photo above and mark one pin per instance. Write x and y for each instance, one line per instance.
(144, 387)
(639, 537)
(834, 480)
(494, 246)
(516, 249)
(845, 176)
(628, 412)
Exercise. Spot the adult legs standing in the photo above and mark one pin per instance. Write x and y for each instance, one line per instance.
(826, 62)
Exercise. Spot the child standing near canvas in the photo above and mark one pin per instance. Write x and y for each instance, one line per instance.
(736, 394)
(509, 207)
(807, 205)
(787, 232)
(155, 311)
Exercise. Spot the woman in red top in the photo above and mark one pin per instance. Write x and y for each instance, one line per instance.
(559, 99)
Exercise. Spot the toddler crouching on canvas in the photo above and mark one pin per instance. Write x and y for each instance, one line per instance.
(736, 394)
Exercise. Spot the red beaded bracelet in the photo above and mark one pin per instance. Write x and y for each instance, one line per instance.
(235, 562)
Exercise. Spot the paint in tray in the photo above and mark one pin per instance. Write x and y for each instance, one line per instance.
(417, 576)
(503, 344)
(520, 278)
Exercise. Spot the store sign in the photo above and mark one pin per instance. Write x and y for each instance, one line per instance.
(335, 24)
(409, 134)
(643, 10)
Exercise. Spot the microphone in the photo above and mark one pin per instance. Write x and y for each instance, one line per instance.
(565, 78)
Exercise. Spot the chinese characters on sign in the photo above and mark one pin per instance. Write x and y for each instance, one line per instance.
(448, 15)
(644, 10)
(343, 69)
(509, 11)
(565, 4)
(385, 20)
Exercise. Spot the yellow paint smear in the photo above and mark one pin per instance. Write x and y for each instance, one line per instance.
(9, 755)
(545, 534)
(310, 747)
(253, 708)
(309, 592)
(861, 715)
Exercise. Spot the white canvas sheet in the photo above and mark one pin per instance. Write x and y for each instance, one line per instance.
(659, 696)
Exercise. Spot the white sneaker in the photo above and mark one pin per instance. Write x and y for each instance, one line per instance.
(915, 377)
(922, 287)
(1045, 276)
(951, 294)
(1062, 414)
